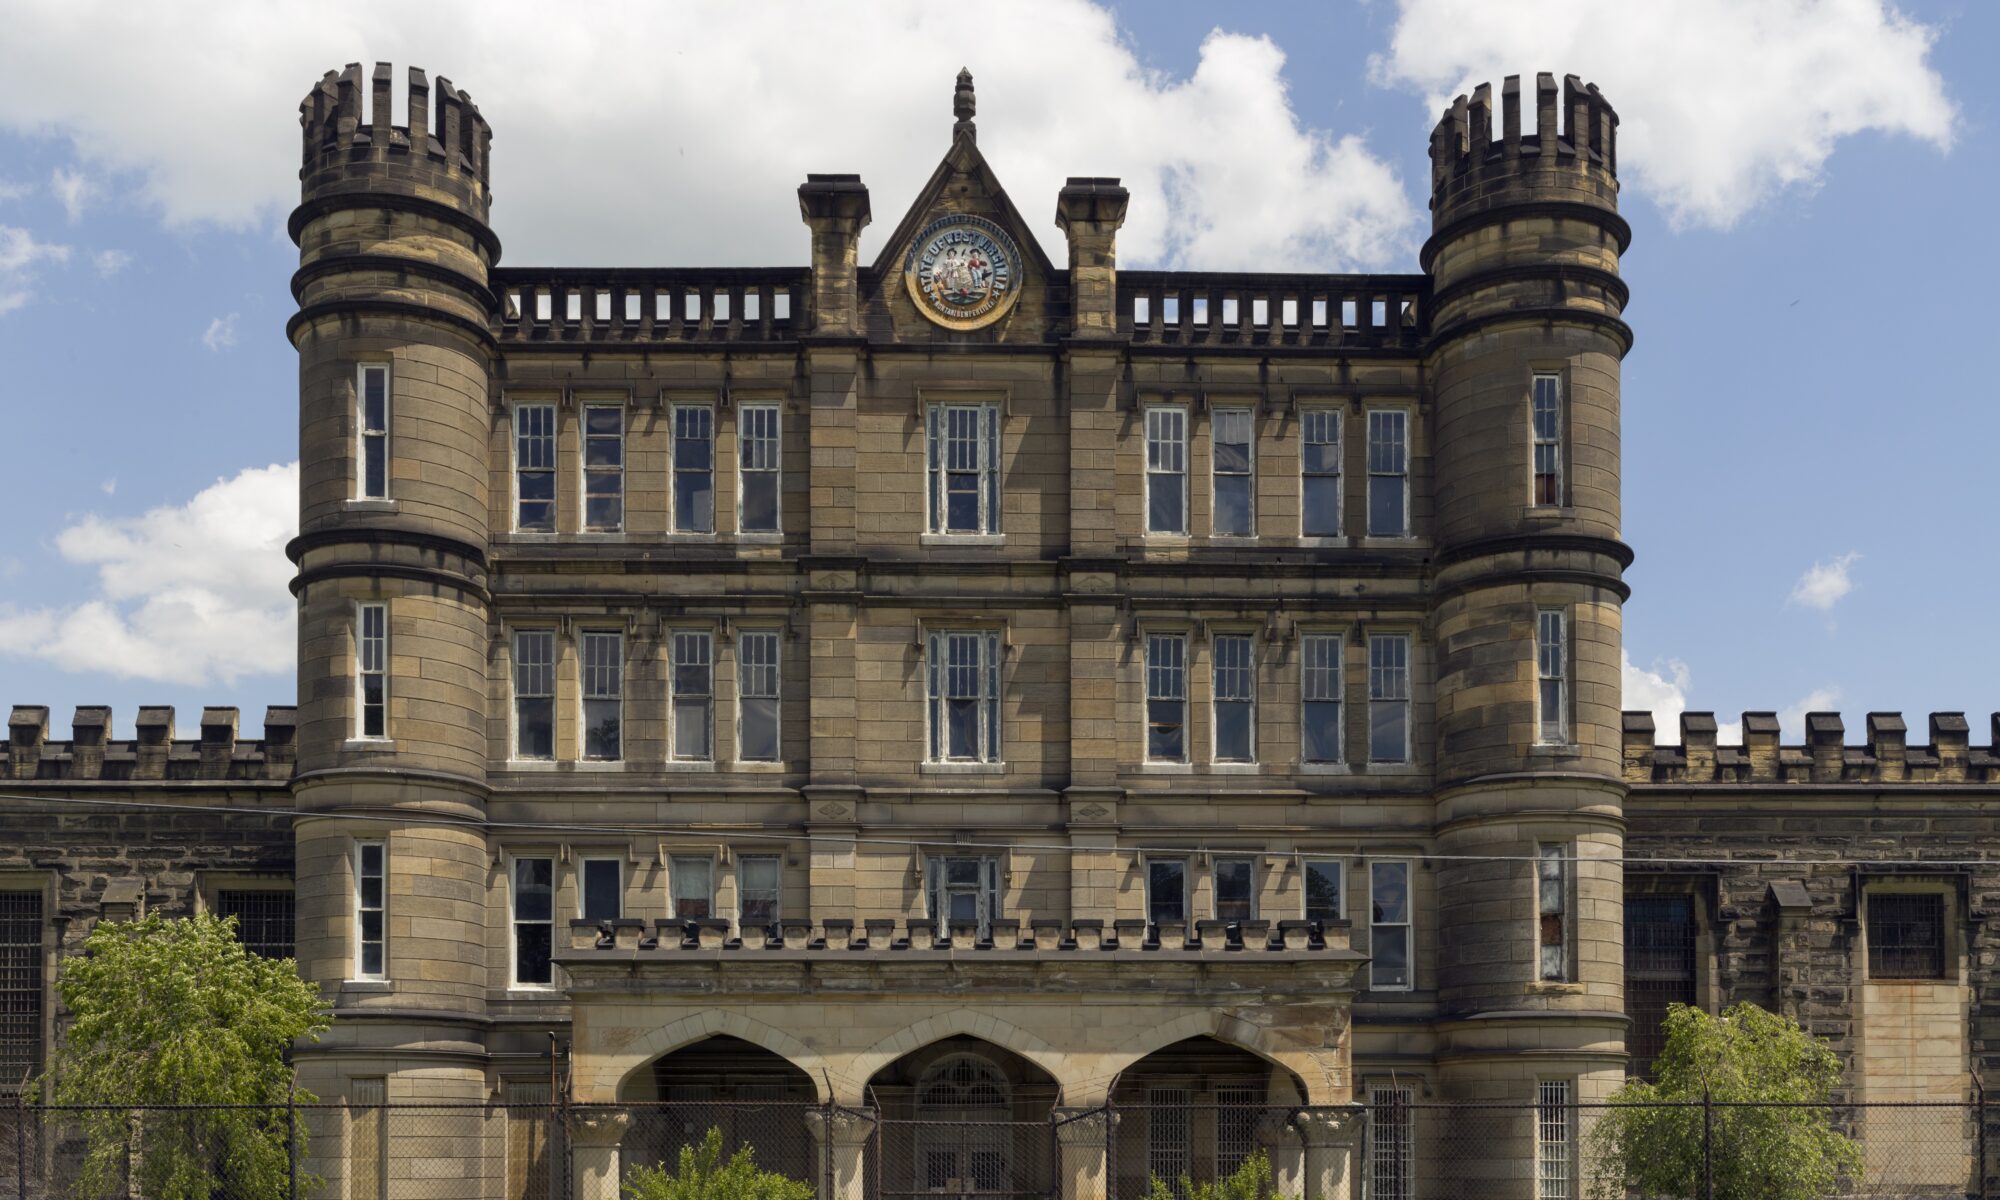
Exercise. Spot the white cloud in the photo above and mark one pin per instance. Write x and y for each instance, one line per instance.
(109, 487)
(1721, 103)
(221, 334)
(14, 190)
(695, 123)
(74, 189)
(20, 254)
(1825, 583)
(186, 594)
(110, 262)
(1662, 691)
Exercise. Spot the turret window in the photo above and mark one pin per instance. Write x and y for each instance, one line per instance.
(1552, 899)
(373, 389)
(1546, 416)
(1319, 473)
(371, 897)
(371, 661)
(603, 469)
(962, 449)
(1166, 470)
(1388, 473)
(535, 694)
(1232, 459)
(759, 453)
(694, 468)
(1552, 672)
(1389, 697)
(535, 468)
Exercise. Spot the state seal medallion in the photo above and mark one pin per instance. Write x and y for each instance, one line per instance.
(963, 272)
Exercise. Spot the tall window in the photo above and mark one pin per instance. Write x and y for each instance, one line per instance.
(1905, 935)
(374, 391)
(603, 469)
(1319, 710)
(757, 695)
(535, 468)
(603, 889)
(1231, 458)
(371, 664)
(1235, 699)
(603, 695)
(693, 878)
(1322, 888)
(1659, 970)
(368, 1138)
(963, 455)
(534, 920)
(534, 693)
(759, 887)
(1235, 890)
(963, 673)
(1166, 470)
(264, 920)
(1166, 697)
(530, 1163)
(1389, 926)
(693, 680)
(1552, 670)
(1389, 697)
(964, 888)
(371, 899)
(1388, 473)
(21, 987)
(1319, 473)
(694, 468)
(1392, 1140)
(760, 465)
(1552, 892)
(1166, 890)
(1555, 1150)
(1546, 416)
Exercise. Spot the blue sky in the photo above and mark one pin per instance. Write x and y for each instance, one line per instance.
(1808, 411)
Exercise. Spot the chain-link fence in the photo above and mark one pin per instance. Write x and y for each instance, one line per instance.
(1395, 1148)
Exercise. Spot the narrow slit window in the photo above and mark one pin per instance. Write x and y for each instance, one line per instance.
(1319, 473)
(757, 721)
(371, 894)
(1235, 890)
(1389, 697)
(758, 483)
(1555, 1149)
(534, 921)
(535, 468)
(572, 306)
(1142, 311)
(963, 678)
(1232, 457)
(1391, 1143)
(603, 889)
(1200, 307)
(1547, 418)
(693, 886)
(632, 302)
(1170, 310)
(1166, 470)
(1166, 890)
(1389, 926)
(1320, 673)
(603, 469)
(603, 695)
(693, 680)
(781, 305)
(1388, 473)
(372, 671)
(1260, 312)
(721, 307)
(1229, 312)
(1552, 899)
(1552, 673)
(753, 305)
(601, 308)
(374, 389)
(694, 468)
(1166, 697)
(535, 694)
(1235, 698)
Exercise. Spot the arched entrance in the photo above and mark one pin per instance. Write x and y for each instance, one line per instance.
(752, 1096)
(1196, 1109)
(963, 1117)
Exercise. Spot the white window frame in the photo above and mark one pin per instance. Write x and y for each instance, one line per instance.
(515, 921)
(366, 434)
(1336, 643)
(1215, 422)
(583, 884)
(1408, 924)
(517, 695)
(1555, 1139)
(988, 453)
(361, 848)
(585, 471)
(675, 518)
(776, 667)
(1402, 416)
(746, 415)
(1306, 864)
(1555, 892)
(989, 693)
(1249, 862)
(1146, 714)
(1333, 418)
(1187, 883)
(1216, 700)
(705, 637)
(1552, 657)
(590, 677)
(363, 671)
(1379, 678)
(516, 435)
(1548, 439)
(678, 863)
(777, 862)
(1157, 413)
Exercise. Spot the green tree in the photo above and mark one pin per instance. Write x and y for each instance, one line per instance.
(703, 1175)
(1781, 1147)
(1251, 1181)
(177, 1012)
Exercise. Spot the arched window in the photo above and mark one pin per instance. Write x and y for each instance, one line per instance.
(962, 1087)
(958, 1098)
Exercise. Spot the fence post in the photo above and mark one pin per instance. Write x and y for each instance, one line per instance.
(1979, 1095)
(291, 1139)
(1707, 1146)
(21, 1142)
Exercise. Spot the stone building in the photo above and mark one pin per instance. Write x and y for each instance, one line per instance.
(967, 686)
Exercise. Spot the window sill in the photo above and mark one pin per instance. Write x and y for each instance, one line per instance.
(762, 537)
(1167, 768)
(370, 506)
(370, 745)
(687, 764)
(1382, 542)
(1167, 541)
(1324, 768)
(759, 767)
(601, 764)
(534, 991)
(1551, 987)
(1235, 768)
(1555, 750)
(599, 535)
(1319, 541)
(962, 539)
(533, 764)
(1549, 512)
(961, 768)
(368, 986)
(1388, 768)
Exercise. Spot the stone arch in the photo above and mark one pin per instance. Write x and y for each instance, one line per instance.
(1318, 1069)
(862, 1067)
(613, 1071)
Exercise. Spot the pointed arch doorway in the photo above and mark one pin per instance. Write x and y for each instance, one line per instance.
(963, 1117)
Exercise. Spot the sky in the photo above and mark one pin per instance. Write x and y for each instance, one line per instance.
(1808, 418)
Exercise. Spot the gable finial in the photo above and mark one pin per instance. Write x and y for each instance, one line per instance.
(963, 105)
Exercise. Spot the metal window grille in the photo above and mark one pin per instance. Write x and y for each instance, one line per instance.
(1389, 697)
(1552, 668)
(371, 895)
(1389, 925)
(603, 889)
(963, 454)
(534, 919)
(1231, 459)
(1391, 1139)
(1166, 697)
(1555, 1148)
(1388, 473)
(1166, 470)
(603, 469)
(758, 713)
(1659, 970)
(694, 886)
(21, 987)
(1552, 888)
(264, 920)
(1319, 473)
(368, 1139)
(1323, 878)
(535, 693)
(1169, 1144)
(1235, 699)
(693, 680)
(374, 479)
(535, 468)
(372, 670)
(1547, 420)
(760, 458)
(694, 468)
(1319, 679)
(1236, 1113)
(1235, 890)
(759, 884)
(603, 695)
(1905, 935)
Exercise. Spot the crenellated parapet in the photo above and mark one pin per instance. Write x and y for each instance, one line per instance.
(1887, 757)
(441, 147)
(90, 755)
(1572, 155)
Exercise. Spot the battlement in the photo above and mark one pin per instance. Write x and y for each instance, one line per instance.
(155, 754)
(1887, 757)
(1573, 153)
(442, 146)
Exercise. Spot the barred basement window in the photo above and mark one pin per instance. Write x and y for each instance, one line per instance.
(759, 454)
(962, 672)
(535, 693)
(1555, 1148)
(1319, 714)
(1905, 935)
(1235, 699)
(757, 692)
(534, 920)
(1319, 473)
(1388, 473)
(693, 681)
(694, 468)
(371, 644)
(1546, 417)
(1166, 697)
(1389, 697)
(603, 695)
(603, 469)
(21, 988)
(371, 896)
(535, 468)
(1552, 671)
(1391, 1138)
(1166, 470)
(963, 459)
(1231, 459)
(1235, 890)
(264, 920)
(374, 465)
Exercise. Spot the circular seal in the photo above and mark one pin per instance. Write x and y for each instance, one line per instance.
(963, 272)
